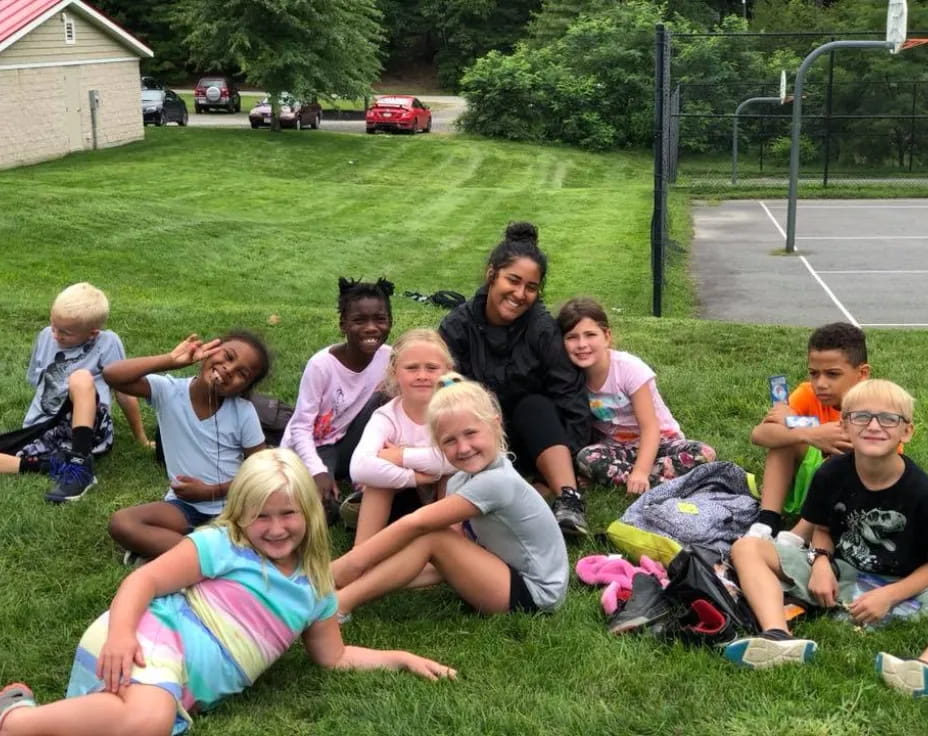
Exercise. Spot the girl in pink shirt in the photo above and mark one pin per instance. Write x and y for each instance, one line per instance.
(640, 443)
(395, 460)
(338, 389)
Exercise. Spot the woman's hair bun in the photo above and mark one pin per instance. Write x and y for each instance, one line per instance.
(385, 286)
(346, 284)
(522, 231)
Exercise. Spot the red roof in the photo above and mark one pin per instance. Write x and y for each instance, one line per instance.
(18, 17)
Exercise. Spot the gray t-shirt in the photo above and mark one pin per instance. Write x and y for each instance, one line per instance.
(518, 527)
(51, 365)
(209, 449)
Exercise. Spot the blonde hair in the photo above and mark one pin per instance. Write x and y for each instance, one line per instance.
(267, 472)
(455, 393)
(409, 338)
(880, 390)
(82, 302)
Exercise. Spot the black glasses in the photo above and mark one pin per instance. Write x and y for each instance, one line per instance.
(885, 419)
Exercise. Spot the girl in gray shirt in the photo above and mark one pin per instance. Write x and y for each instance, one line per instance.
(492, 537)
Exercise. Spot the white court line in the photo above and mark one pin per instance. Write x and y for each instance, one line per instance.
(857, 206)
(862, 237)
(773, 220)
(838, 304)
(876, 272)
(895, 324)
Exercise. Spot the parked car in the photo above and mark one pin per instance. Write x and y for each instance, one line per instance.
(396, 113)
(152, 83)
(163, 106)
(216, 93)
(293, 113)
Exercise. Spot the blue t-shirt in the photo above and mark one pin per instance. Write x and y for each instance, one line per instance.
(51, 365)
(209, 449)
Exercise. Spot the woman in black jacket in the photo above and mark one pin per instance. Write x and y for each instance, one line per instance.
(506, 339)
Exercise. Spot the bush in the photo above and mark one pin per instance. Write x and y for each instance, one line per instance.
(779, 149)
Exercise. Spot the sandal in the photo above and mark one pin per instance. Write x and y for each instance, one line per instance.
(15, 695)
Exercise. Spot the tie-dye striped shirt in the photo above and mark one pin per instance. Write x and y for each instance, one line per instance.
(214, 638)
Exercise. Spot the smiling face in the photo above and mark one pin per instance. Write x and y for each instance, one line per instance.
(469, 443)
(233, 368)
(418, 367)
(513, 289)
(872, 439)
(69, 333)
(365, 325)
(588, 344)
(278, 531)
(832, 375)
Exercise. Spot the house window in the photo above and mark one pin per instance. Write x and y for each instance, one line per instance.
(69, 36)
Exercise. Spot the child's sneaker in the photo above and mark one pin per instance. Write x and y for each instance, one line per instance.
(907, 675)
(351, 509)
(760, 531)
(13, 696)
(570, 511)
(647, 605)
(772, 648)
(73, 476)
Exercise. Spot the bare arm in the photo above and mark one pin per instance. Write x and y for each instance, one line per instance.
(877, 603)
(646, 416)
(193, 489)
(130, 408)
(323, 643)
(128, 376)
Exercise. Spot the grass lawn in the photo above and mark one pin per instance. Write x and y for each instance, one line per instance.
(201, 230)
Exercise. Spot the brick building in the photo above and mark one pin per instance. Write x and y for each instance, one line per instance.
(54, 55)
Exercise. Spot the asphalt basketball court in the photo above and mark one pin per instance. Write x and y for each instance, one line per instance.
(859, 261)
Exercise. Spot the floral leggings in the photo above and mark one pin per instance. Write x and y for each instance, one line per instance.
(610, 463)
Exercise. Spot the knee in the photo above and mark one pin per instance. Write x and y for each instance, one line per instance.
(80, 380)
(121, 525)
(747, 550)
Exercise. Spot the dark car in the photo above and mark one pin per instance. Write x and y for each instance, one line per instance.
(398, 113)
(216, 93)
(163, 106)
(152, 83)
(293, 113)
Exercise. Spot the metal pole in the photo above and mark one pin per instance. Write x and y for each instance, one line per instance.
(828, 100)
(797, 125)
(658, 217)
(734, 133)
(912, 126)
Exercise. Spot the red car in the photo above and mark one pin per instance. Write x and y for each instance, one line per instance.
(293, 113)
(398, 113)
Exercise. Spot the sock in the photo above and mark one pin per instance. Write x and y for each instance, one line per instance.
(82, 440)
(771, 519)
(30, 464)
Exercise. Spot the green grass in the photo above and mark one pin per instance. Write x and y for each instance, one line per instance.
(201, 230)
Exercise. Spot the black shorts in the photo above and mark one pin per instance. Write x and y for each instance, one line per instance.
(519, 597)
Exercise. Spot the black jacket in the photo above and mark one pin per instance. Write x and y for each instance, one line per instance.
(525, 357)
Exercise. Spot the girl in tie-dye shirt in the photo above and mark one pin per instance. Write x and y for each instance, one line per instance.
(205, 619)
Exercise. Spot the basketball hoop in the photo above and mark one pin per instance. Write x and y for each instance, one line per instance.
(912, 43)
(783, 97)
(896, 18)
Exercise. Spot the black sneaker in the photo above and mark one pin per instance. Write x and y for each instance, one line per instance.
(570, 511)
(770, 649)
(647, 605)
(698, 624)
(73, 476)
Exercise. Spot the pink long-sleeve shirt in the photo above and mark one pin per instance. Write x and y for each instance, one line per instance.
(391, 424)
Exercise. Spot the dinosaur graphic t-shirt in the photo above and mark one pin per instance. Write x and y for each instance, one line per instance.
(875, 531)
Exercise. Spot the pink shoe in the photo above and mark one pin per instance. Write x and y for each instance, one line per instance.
(588, 568)
(654, 568)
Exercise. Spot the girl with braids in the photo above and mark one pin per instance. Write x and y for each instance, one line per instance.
(337, 392)
(504, 338)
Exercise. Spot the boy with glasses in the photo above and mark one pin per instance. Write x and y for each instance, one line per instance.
(837, 360)
(868, 509)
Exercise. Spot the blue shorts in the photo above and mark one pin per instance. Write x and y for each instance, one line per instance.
(191, 513)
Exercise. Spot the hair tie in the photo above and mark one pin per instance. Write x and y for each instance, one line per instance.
(446, 382)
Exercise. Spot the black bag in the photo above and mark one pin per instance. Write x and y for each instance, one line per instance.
(274, 415)
(447, 298)
(692, 576)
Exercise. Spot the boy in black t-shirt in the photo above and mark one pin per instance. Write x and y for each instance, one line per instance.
(869, 510)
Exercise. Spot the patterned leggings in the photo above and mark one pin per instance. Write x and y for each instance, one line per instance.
(610, 463)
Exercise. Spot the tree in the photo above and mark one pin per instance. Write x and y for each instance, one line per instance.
(305, 47)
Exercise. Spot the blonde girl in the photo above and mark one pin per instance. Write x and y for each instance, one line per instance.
(638, 443)
(205, 619)
(395, 460)
(511, 555)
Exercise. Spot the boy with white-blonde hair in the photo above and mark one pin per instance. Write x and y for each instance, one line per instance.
(868, 509)
(69, 419)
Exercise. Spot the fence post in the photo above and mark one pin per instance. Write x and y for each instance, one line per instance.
(828, 93)
(659, 213)
(912, 126)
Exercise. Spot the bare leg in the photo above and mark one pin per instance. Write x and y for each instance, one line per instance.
(137, 710)
(479, 577)
(779, 471)
(557, 467)
(759, 571)
(804, 529)
(374, 512)
(83, 395)
(9, 463)
(150, 529)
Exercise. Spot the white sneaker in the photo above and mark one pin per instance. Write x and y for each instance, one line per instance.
(788, 539)
(761, 652)
(760, 531)
(908, 675)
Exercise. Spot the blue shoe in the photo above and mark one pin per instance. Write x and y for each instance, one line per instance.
(73, 476)
(771, 649)
(907, 675)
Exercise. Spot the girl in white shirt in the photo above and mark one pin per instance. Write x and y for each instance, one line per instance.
(395, 460)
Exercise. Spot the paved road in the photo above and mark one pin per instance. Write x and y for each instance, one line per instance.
(445, 110)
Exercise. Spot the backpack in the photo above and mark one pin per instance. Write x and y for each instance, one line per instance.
(274, 415)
